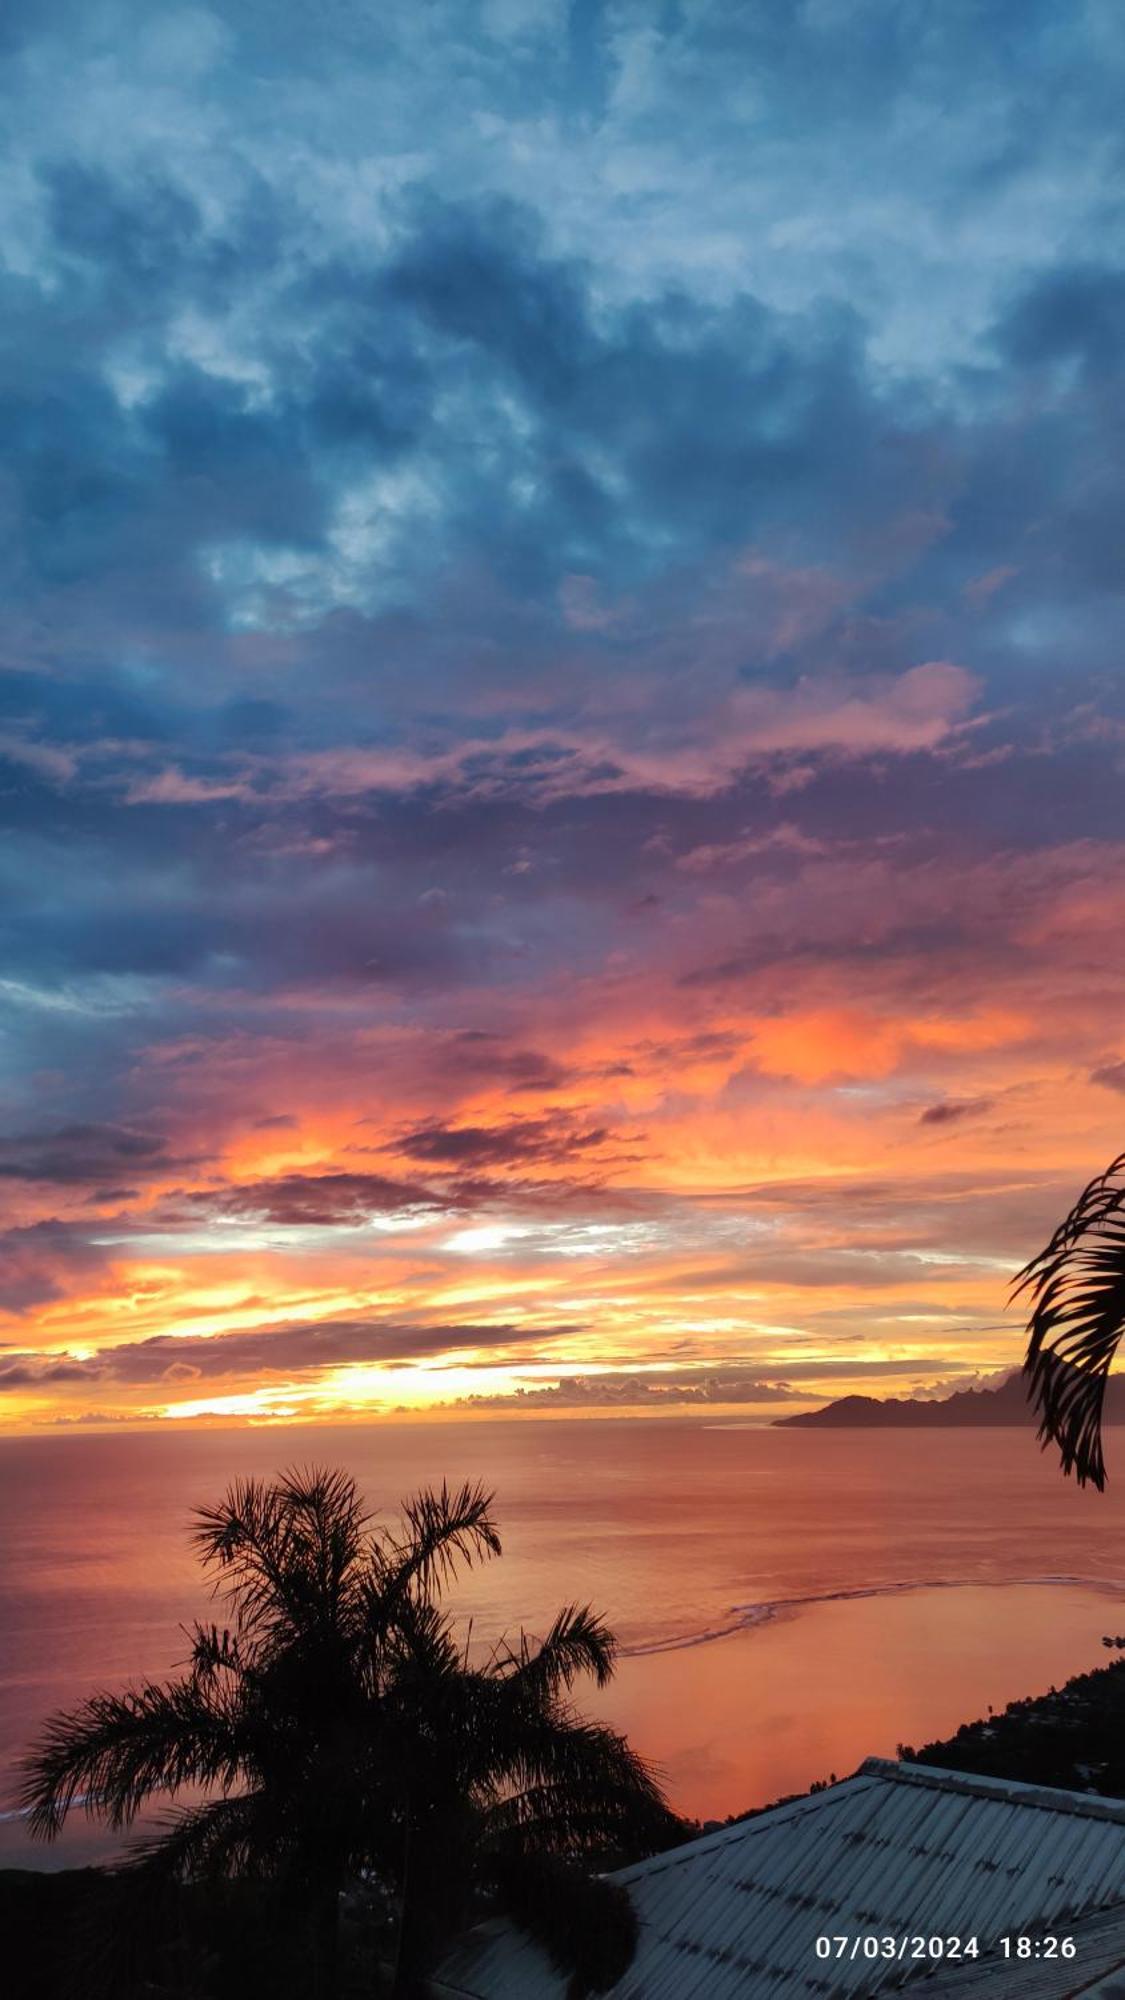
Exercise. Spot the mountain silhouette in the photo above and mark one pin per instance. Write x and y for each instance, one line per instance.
(966, 1408)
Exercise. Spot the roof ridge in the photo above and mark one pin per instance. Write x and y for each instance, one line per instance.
(739, 1828)
(1046, 1798)
(930, 1777)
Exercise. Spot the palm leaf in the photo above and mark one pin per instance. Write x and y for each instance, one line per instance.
(587, 1925)
(579, 1642)
(286, 1555)
(246, 1542)
(224, 1837)
(1077, 1288)
(213, 1652)
(563, 1782)
(441, 1530)
(114, 1751)
(329, 1520)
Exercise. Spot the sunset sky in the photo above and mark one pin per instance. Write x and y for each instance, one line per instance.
(562, 742)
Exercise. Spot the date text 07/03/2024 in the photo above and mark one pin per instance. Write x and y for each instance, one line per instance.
(879, 1944)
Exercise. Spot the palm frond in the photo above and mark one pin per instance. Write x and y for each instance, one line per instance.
(587, 1925)
(548, 1819)
(579, 1642)
(114, 1751)
(441, 1531)
(245, 1541)
(1076, 1284)
(566, 1783)
(330, 1519)
(213, 1652)
(223, 1837)
(418, 1637)
(287, 1555)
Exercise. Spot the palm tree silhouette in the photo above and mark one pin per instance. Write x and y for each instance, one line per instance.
(1077, 1287)
(336, 1732)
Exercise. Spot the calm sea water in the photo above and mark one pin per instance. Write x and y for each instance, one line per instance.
(788, 1601)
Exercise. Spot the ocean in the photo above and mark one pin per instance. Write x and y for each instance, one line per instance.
(787, 1602)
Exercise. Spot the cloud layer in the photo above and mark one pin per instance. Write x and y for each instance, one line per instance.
(561, 728)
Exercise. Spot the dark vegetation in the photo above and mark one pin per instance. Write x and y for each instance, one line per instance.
(1072, 1737)
(354, 1789)
(1076, 1287)
(95, 1931)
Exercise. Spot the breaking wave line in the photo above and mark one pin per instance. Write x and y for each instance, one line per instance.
(745, 1617)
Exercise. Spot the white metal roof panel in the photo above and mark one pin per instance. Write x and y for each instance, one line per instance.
(899, 1848)
(1096, 1972)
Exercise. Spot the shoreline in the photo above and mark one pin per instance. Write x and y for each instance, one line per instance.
(733, 1724)
(750, 1617)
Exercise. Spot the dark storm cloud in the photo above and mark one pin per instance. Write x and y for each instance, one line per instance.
(248, 471)
(269, 1352)
(82, 1155)
(1075, 314)
(755, 409)
(40, 1261)
(138, 245)
(1111, 1074)
(202, 460)
(35, 1373)
(475, 1050)
(712, 423)
(314, 1200)
(950, 1111)
(143, 233)
(707, 423)
(503, 1145)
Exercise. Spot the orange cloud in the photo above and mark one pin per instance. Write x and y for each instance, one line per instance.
(844, 1043)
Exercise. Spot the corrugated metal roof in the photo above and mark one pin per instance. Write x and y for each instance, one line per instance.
(898, 1849)
(1096, 1972)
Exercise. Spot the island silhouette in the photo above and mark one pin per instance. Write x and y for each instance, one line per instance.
(984, 1409)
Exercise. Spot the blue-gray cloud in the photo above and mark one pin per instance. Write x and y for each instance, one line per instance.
(499, 399)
